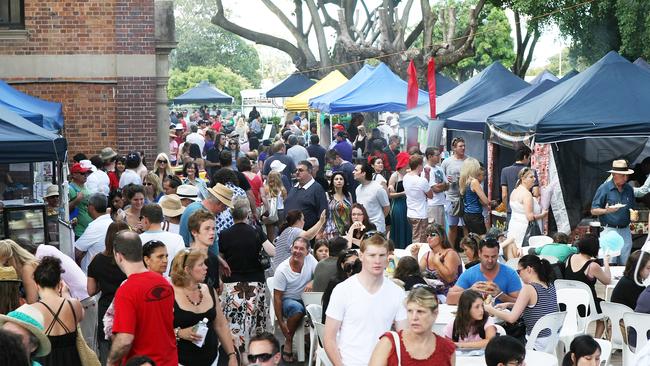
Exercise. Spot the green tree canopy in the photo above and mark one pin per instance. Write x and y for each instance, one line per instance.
(220, 76)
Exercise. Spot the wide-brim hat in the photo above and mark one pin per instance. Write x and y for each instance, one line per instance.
(107, 153)
(8, 274)
(171, 205)
(31, 319)
(187, 191)
(277, 166)
(51, 191)
(222, 193)
(620, 167)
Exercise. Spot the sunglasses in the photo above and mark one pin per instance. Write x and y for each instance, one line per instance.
(433, 234)
(162, 161)
(370, 233)
(262, 357)
(187, 254)
(147, 184)
(151, 243)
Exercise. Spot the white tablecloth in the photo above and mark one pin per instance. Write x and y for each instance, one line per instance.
(533, 358)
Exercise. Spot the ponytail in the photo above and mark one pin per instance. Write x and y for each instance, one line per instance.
(541, 266)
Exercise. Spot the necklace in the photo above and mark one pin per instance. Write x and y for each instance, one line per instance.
(198, 287)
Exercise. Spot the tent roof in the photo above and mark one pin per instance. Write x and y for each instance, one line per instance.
(292, 85)
(444, 84)
(643, 63)
(204, 92)
(492, 83)
(32, 117)
(51, 112)
(23, 142)
(378, 89)
(568, 75)
(322, 102)
(475, 119)
(330, 82)
(610, 98)
(544, 75)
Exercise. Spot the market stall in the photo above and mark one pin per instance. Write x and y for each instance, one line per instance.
(27, 106)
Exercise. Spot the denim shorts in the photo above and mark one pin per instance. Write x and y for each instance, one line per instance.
(291, 307)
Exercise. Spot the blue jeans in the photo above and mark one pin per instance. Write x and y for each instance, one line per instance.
(291, 307)
(627, 242)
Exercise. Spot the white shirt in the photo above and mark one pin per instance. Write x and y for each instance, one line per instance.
(129, 176)
(415, 188)
(98, 182)
(293, 283)
(173, 242)
(364, 317)
(386, 131)
(374, 198)
(93, 240)
(72, 275)
(436, 176)
(196, 138)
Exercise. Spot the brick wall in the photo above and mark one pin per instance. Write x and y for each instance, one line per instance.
(134, 27)
(136, 116)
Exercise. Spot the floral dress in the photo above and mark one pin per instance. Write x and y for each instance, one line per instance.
(338, 216)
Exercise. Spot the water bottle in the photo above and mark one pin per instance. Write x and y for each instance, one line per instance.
(201, 328)
(391, 267)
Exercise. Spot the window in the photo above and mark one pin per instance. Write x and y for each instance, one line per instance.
(12, 14)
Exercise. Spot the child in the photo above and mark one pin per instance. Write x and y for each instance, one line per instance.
(472, 327)
(504, 350)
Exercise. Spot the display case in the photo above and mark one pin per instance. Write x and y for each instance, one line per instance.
(27, 221)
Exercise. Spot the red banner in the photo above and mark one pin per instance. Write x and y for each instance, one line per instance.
(431, 80)
(412, 92)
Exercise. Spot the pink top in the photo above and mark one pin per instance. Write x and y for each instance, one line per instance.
(449, 329)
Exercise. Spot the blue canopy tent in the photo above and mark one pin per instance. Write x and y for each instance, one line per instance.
(204, 92)
(444, 84)
(51, 112)
(642, 63)
(293, 85)
(381, 91)
(545, 75)
(322, 102)
(32, 117)
(568, 75)
(475, 119)
(22, 142)
(492, 83)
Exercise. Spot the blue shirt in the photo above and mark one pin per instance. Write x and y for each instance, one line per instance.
(608, 194)
(507, 279)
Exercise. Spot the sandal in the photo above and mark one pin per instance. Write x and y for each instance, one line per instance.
(287, 356)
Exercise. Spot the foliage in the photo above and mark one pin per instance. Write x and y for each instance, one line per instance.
(492, 43)
(220, 76)
(201, 43)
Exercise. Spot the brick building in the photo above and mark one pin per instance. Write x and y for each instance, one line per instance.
(105, 60)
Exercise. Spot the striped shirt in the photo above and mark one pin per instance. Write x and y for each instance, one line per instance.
(546, 304)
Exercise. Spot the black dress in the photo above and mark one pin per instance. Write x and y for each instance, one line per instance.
(188, 352)
(64, 347)
(579, 275)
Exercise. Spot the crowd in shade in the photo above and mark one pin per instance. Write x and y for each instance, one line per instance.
(204, 255)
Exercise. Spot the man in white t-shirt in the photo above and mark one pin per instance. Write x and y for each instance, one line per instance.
(363, 307)
(292, 277)
(436, 178)
(417, 191)
(130, 174)
(372, 196)
(152, 217)
(93, 240)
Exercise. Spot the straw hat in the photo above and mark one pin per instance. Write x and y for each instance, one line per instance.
(51, 191)
(107, 153)
(277, 166)
(620, 167)
(222, 193)
(8, 274)
(171, 205)
(31, 319)
(187, 191)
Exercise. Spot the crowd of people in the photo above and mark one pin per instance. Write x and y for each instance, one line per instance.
(178, 253)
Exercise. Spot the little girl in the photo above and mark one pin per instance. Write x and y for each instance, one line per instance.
(472, 327)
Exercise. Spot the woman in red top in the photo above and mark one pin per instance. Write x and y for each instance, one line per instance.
(245, 167)
(418, 345)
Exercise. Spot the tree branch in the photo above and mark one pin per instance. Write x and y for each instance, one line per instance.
(429, 20)
(299, 18)
(414, 34)
(299, 37)
(323, 51)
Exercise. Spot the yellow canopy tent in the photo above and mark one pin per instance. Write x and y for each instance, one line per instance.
(330, 82)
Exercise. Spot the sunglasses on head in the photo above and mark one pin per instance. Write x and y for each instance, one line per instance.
(262, 357)
(370, 233)
(187, 254)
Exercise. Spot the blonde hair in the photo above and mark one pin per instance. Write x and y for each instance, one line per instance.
(241, 122)
(274, 185)
(423, 297)
(157, 184)
(11, 249)
(168, 168)
(184, 258)
(470, 169)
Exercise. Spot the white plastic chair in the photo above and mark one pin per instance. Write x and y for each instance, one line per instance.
(641, 324)
(315, 312)
(593, 313)
(321, 355)
(551, 259)
(553, 322)
(399, 253)
(574, 324)
(500, 329)
(424, 248)
(312, 298)
(512, 263)
(299, 336)
(614, 312)
(539, 241)
(270, 287)
(605, 350)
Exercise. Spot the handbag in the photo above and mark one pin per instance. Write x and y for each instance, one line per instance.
(532, 230)
(271, 215)
(264, 258)
(458, 207)
(86, 355)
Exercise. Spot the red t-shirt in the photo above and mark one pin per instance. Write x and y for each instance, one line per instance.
(441, 356)
(216, 126)
(144, 307)
(256, 184)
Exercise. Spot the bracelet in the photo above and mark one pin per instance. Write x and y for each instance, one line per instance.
(177, 331)
(231, 354)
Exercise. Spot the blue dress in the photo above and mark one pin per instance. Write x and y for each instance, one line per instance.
(400, 229)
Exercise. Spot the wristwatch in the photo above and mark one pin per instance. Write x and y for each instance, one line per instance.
(177, 330)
